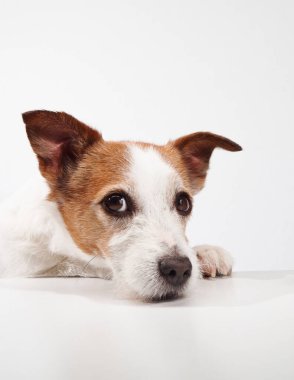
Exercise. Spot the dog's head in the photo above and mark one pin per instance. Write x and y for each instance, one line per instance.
(126, 201)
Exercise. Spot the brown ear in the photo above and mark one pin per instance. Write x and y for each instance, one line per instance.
(59, 140)
(196, 150)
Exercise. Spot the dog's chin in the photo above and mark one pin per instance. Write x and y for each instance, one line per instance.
(165, 297)
(154, 298)
(160, 293)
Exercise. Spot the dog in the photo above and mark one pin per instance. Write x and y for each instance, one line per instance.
(115, 210)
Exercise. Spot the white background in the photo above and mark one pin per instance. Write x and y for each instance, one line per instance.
(156, 70)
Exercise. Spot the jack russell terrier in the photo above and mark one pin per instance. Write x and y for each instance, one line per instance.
(110, 209)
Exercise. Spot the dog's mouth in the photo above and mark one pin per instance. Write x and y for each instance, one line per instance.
(166, 297)
(162, 293)
(153, 290)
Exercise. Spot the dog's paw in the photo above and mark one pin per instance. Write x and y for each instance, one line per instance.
(213, 261)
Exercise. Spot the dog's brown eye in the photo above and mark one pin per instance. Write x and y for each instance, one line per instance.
(183, 204)
(117, 204)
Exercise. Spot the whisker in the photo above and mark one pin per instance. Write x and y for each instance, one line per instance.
(100, 250)
(88, 263)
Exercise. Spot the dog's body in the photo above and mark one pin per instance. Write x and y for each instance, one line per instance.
(111, 210)
(35, 241)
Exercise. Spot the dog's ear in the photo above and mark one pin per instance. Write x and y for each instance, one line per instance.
(196, 150)
(59, 140)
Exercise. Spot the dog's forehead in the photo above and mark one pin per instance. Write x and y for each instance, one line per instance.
(151, 170)
(151, 173)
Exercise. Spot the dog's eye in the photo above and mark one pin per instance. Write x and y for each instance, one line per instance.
(116, 204)
(183, 203)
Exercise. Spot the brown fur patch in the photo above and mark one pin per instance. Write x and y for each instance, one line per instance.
(58, 140)
(196, 150)
(103, 167)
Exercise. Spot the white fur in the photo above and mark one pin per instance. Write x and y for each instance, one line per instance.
(157, 229)
(34, 240)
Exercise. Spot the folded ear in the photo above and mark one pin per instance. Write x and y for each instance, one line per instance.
(59, 140)
(196, 150)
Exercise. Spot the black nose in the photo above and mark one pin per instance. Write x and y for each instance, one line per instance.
(175, 270)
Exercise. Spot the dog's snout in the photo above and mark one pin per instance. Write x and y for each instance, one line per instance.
(175, 270)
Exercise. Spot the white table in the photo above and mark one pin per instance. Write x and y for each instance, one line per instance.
(231, 328)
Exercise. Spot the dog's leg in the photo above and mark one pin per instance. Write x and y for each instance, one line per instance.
(213, 261)
(74, 268)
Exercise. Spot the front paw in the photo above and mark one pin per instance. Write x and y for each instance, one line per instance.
(213, 261)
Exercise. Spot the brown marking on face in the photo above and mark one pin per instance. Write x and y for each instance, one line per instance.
(174, 158)
(102, 168)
